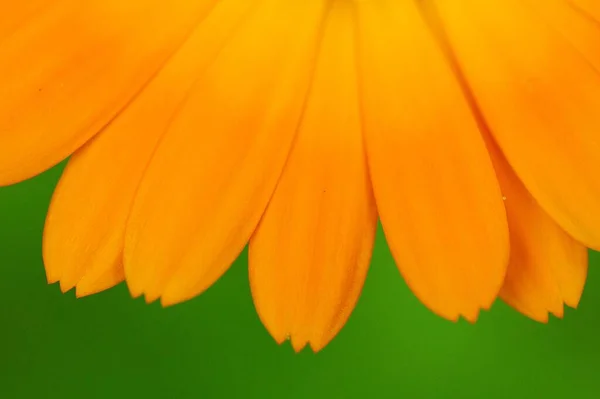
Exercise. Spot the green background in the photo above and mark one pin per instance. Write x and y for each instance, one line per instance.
(110, 346)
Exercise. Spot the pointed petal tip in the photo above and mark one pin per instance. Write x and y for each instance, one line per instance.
(558, 313)
(65, 286)
(173, 297)
(134, 291)
(539, 315)
(83, 288)
(279, 340)
(52, 279)
(454, 318)
(318, 346)
(150, 299)
(488, 305)
(573, 304)
(544, 319)
(298, 345)
(83, 291)
(52, 276)
(541, 318)
(471, 318)
(167, 302)
(315, 345)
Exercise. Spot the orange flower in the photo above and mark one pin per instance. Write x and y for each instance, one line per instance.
(471, 128)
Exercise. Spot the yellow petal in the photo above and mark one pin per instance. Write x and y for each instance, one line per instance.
(68, 70)
(540, 98)
(216, 168)
(85, 227)
(310, 253)
(436, 191)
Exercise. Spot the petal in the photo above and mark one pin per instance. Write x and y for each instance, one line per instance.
(547, 267)
(434, 184)
(216, 168)
(16, 13)
(311, 251)
(85, 228)
(540, 97)
(590, 8)
(583, 33)
(71, 67)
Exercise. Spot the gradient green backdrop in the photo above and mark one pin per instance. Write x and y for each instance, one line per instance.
(110, 346)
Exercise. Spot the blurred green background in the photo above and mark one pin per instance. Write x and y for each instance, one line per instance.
(110, 346)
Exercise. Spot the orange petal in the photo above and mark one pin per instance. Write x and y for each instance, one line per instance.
(541, 98)
(68, 70)
(85, 228)
(16, 13)
(583, 33)
(590, 8)
(213, 174)
(435, 187)
(547, 267)
(310, 254)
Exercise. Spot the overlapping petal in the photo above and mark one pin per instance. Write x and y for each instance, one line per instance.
(435, 187)
(470, 127)
(85, 227)
(217, 165)
(310, 253)
(68, 67)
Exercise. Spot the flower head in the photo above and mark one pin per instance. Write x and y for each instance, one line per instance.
(470, 128)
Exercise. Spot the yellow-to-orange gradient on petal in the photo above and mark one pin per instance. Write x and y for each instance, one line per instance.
(470, 129)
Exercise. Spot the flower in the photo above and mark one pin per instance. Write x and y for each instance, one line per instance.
(470, 128)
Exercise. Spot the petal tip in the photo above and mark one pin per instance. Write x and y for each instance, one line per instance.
(472, 318)
(51, 277)
(83, 291)
(544, 319)
(134, 291)
(298, 346)
(85, 288)
(558, 313)
(317, 346)
(166, 301)
(151, 298)
(66, 286)
(573, 304)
